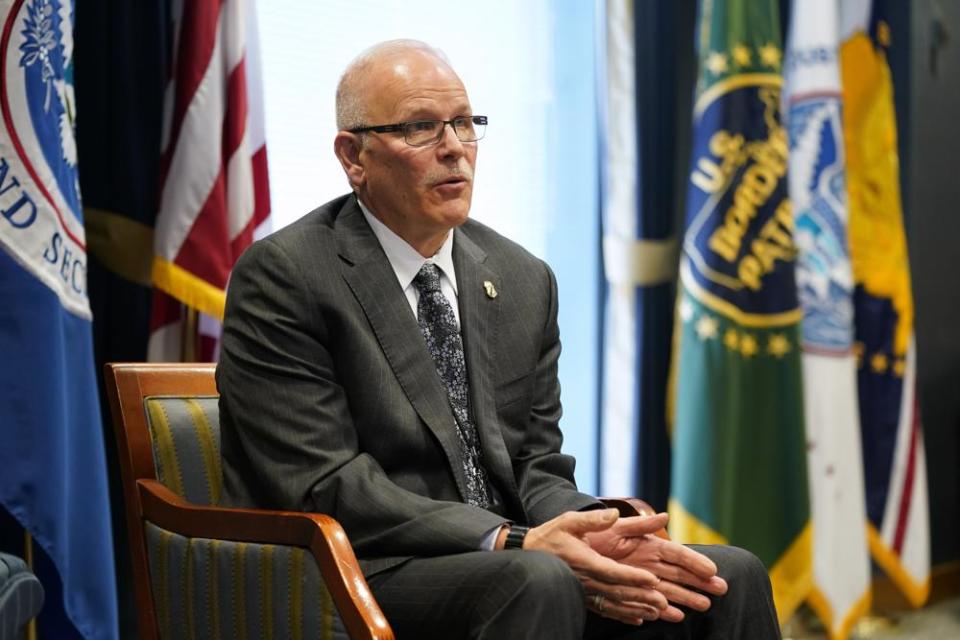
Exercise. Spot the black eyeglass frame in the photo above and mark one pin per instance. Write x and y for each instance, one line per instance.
(401, 127)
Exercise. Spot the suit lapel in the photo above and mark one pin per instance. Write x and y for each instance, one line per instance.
(371, 278)
(478, 325)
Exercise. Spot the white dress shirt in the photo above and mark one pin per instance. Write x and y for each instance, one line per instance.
(406, 262)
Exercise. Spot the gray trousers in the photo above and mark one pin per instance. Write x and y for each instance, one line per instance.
(527, 594)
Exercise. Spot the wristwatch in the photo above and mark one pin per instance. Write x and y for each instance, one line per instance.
(515, 537)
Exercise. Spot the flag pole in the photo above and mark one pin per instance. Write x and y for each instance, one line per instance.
(188, 340)
(28, 558)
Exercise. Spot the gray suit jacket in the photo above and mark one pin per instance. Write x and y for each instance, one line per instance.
(331, 403)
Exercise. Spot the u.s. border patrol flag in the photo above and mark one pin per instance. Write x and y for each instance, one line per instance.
(893, 454)
(739, 456)
(52, 464)
(818, 189)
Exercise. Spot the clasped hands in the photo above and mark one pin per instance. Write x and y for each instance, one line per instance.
(629, 574)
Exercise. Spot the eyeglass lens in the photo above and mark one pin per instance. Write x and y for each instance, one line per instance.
(429, 131)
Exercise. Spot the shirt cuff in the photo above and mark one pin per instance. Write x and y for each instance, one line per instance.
(490, 538)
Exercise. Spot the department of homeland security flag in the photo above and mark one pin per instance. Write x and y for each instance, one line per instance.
(52, 453)
(739, 453)
(818, 189)
(893, 454)
(214, 186)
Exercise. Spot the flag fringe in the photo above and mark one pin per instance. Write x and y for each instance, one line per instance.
(915, 592)
(123, 245)
(821, 607)
(792, 575)
(188, 288)
(688, 529)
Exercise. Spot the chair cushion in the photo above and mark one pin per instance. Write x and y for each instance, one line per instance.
(204, 588)
(185, 432)
(21, 595)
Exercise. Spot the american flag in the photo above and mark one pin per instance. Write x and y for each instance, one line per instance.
(214, 193)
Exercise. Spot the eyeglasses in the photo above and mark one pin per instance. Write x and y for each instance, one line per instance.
(421, 133)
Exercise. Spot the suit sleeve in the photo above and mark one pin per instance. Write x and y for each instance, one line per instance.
(544, 474)
(288, 437)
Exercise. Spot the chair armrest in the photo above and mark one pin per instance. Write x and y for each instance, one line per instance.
(321, 534)
(633, 507)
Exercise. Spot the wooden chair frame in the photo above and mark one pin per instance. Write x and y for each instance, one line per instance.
(128, 385)
(147, 499)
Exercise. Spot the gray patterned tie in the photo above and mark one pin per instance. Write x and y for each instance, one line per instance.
(439, 328)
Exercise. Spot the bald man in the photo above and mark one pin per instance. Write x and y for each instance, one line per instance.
(392, 363)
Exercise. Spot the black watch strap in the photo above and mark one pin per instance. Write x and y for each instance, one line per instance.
(515, 537)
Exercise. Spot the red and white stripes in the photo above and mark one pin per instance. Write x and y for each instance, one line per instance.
(214, 191)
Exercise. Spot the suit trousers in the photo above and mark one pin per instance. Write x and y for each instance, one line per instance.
(501, 595)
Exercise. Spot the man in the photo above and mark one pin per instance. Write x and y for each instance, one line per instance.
(391, 363)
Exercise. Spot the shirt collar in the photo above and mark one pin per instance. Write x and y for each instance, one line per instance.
(405, 260)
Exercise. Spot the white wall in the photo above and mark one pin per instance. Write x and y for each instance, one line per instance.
(528, 66)
(503, 62)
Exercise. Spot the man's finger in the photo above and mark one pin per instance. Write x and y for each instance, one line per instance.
(634, 526)
(715, 585)
(621, 593)
(626, 612)
(580, 522)
(680, 595)
(688, 559)
(589, 564)
(672, 614)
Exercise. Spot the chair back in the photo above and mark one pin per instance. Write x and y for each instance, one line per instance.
(148, 402)
(187, 580)
(185, 438)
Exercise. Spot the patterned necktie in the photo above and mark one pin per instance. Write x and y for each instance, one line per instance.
(439, 328)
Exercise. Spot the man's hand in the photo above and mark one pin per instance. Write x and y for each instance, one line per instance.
(615, 589)
(630, 541)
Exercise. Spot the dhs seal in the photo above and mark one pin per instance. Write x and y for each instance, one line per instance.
(818, 186)
(41, 216)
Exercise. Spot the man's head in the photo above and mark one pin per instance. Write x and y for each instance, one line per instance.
(420, 192)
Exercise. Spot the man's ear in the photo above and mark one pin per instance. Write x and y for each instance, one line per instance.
(347, 148)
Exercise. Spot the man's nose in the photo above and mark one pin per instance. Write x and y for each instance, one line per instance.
(450, 144)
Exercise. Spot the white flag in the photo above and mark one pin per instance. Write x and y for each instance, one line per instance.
(814, 114)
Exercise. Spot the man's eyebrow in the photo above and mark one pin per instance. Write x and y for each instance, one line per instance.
(424, 113)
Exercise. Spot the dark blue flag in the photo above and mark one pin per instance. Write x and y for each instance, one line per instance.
(52, 462)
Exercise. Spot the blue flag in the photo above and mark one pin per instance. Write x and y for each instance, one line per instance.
(52, 462)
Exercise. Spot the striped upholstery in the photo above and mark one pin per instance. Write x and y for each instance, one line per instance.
(205, 588)
(186, 446)
(21, 595)
(220, 589)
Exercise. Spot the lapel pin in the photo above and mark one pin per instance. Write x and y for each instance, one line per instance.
(490, 289)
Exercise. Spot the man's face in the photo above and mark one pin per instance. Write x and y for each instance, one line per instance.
(419, 192)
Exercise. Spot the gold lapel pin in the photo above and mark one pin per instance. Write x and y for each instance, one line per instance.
(490, 289)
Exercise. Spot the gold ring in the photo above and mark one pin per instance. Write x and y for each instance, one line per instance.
(598, 602)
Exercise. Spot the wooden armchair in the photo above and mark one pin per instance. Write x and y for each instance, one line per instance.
(204, 571)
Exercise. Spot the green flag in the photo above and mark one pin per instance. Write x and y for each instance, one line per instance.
(739, 455)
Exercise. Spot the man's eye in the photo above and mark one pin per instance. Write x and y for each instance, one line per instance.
(426, 125)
